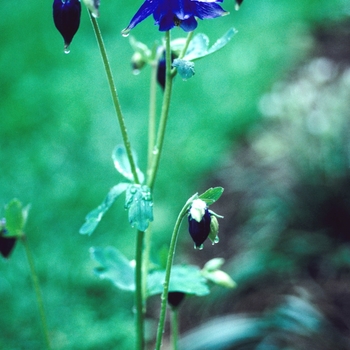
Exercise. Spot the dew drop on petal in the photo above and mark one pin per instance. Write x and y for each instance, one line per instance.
(216, 240)
(66, 49)
(125, 32)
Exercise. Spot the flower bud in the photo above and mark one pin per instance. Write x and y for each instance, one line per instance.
(66, 16)
(6, 243)
(238, 4)
(199, 222)
(175, 299)
(137, 62)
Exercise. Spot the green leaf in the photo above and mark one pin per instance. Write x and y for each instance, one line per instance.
(94, 217)
(16, 217)
(183, 278)
(121, 163)
(184, 67)
(211, 195)
(199, 45)
(138, 201)
(115, 267)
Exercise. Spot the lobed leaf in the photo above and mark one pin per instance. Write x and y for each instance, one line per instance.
(115, 267)
(138, 201)
(184, 68)
(211, 195)
(94, 217)
(122, 164)
(199, 45)
(184, 278)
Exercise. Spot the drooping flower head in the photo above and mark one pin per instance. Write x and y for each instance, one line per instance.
(66, 16)
(199, 222)
(181, 13)
(6, 243)
(202, 223)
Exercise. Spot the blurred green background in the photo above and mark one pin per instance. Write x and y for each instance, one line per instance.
(265, 117)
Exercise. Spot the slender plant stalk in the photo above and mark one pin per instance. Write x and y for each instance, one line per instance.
(115, 98)
(175, 327)
(152, 113)
(139, 295)
(39, 299)
(164, 114)
(171, 254)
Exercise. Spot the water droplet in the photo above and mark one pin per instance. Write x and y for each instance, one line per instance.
(136, 71)
(216, 240)
(155, 150)
(125, 32)
(66, 49)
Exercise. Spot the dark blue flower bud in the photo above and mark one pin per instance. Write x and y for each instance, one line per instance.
(238, 4)
(6, 243)
(161, 69)
(175, 299)
(199, 220)
(66, 16)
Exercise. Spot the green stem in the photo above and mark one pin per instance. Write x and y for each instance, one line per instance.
(139, 299)
(164, 114)
(115, 98)
(39, 299)
(175, 327)
(171, 254)
(152, 113)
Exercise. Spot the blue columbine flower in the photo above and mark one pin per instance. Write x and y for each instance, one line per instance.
(66, 16)
(181, 13)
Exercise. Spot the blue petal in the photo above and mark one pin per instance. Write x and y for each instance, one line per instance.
(166, 22)
(209, 10)
(146, 9)
(207, 1)
(183, 9)
(188, 25)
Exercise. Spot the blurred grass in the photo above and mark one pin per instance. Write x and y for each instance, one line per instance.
(57, 131)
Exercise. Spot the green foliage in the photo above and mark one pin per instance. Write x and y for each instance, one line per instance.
(199, 48)
(211, 195)
(94, 217)
(138, 200)
(121, 163)
(57, 129)
(184, 278)
(199, 45)
(115, 267)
